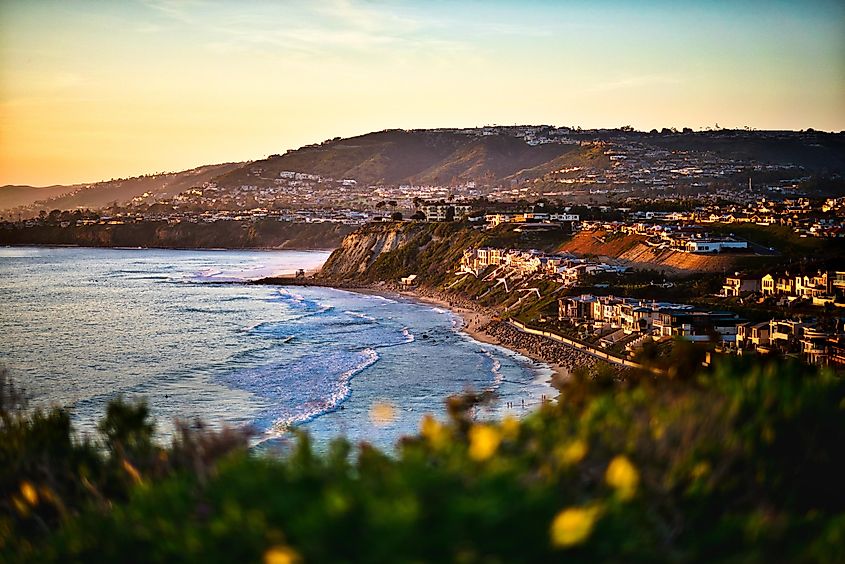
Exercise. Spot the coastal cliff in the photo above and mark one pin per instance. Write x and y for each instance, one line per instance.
(387, 251)
(267, 234)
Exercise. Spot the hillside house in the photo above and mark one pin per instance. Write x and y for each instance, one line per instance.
(445, 212)
(738, 284)
(752, 335)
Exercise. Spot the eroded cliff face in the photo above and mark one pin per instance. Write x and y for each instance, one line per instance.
(360, 249)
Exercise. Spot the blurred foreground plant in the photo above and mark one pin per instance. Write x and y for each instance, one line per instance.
(740, 462)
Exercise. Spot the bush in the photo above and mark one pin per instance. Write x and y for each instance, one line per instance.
(740, 462)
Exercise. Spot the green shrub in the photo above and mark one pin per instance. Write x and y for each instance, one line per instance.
(740, 462)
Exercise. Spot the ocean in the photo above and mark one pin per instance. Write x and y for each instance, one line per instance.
(81, 326)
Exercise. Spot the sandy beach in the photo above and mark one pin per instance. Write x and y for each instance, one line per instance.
(474, 323)
(479, 323)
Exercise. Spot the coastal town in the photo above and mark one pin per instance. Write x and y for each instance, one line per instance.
(642, 239)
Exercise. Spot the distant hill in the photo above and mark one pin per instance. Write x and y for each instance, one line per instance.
(12, 196)
(398, 156)
(101, 194)
(490, 156)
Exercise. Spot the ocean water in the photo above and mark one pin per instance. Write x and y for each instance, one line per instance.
(82, 326)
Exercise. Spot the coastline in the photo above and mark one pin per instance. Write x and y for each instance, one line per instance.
(475, 322)
(478, 322)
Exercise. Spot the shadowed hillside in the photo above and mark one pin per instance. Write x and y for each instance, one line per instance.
(398, 156)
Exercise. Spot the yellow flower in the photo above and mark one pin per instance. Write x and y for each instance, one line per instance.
(281, 555)
(510, 427)
(382, 414)
(623, 476)
(29, 493)
(433, 431)
(483, 442)
(573, 525)
(571, 453)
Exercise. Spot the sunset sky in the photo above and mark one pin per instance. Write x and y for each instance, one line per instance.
(95, 90)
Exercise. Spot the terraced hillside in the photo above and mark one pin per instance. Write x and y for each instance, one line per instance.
(632, 250)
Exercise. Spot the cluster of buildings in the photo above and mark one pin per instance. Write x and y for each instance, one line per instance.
(533, 218)
(819, 288)
(806, 338)
(612, 319)
(598, 314)
(822, 217)
(514, 263)
(805, 216)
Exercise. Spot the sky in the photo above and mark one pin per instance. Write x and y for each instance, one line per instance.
(93, 90)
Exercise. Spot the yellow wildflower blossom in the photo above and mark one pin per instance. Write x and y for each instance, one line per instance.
(433, 431)
(623, 476)
(382, 414)
(573, 525)
(29, 493)
(281, 555)
(572, 452)
(483, 442)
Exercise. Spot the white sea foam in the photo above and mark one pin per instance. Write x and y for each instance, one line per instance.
(409, 337)
(330, 403)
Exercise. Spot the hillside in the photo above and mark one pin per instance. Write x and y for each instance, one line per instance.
(12, 196)
(398, 156)
(388, 251)
(101, 194)
(229, 234)
(818, 152)
(632, 250)
(541, 157)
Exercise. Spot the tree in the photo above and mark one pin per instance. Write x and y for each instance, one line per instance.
(380, 205)
(450, 213)
(396, 216)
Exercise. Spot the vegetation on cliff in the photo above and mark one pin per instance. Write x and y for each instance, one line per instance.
(388, 251)
(739, 463)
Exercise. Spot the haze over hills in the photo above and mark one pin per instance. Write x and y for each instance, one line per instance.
(103, 193)
(490, 157)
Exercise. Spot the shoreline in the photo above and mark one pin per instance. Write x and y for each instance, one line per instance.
(475, 320)
(478, 322)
